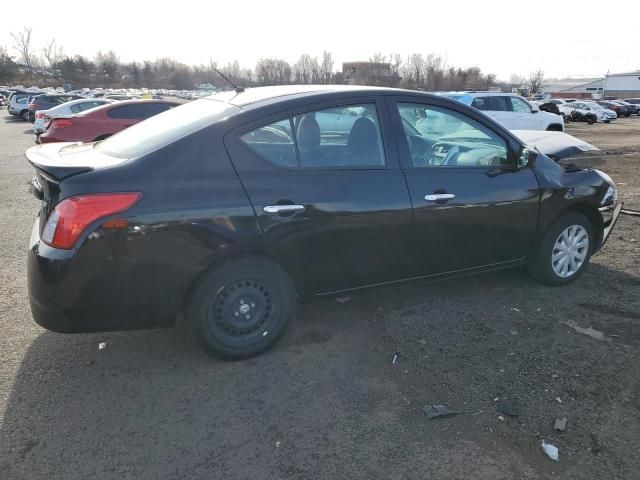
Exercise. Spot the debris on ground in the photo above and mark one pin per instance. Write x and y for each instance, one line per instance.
(394, 361)
(102, 345)
(590, 332)
(560, 424)
(558, 399)
(551, 451)
(515, 309)
(509, 407)
(501, 418)
(433, 411)
(343, 299)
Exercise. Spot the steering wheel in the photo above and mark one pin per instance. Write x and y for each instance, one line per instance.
(452, 152)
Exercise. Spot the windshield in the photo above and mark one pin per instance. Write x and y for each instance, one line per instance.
(165, 128)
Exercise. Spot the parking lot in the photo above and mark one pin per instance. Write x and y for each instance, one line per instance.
(327, 402)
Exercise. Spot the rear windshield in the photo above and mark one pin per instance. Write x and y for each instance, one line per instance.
(165, 128)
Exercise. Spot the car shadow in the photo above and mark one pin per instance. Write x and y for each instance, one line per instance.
(150, 404)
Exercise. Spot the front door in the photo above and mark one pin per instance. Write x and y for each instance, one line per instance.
(473, 207)
(326, 185)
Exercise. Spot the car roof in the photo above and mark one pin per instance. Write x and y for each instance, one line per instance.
(480, 93)
(264, 95)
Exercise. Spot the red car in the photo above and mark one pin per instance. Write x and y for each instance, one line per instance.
(102, 122)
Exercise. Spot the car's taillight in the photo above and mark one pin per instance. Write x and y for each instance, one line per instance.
(40, 115)
(73, 215)
(61, 123)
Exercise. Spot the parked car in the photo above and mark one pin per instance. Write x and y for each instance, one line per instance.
(631, 107)
(634, 101)
(120, 97)
(590, 112)
(45, 102)
(3, 100)
(65, 110)
(102, 122)
(196, 211)
(620, 110)
(510, 110)
(19, 106)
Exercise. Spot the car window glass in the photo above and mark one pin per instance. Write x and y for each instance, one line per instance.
(438, 137)
(340, 137)
(520, 105)
(77, 107)
(274, 142)
(138, 110)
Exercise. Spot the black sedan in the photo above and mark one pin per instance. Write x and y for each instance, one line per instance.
(232, 208)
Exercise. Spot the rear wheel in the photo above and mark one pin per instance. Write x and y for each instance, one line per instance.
(242, 308)
(591, 119)
(24, 114)
(565, 250)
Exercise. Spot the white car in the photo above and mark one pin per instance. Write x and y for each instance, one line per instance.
(510, 110)
(590, 112)
(64, 110)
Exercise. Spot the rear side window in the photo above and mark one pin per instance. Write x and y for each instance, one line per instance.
(138, 111)
(493, 104)
(334, 137)
(274, 142)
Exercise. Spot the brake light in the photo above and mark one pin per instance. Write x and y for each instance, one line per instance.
(73, 215)
(61, 123)
(40, 115)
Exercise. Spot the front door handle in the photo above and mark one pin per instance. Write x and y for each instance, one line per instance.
(434, 197)
(276, 209)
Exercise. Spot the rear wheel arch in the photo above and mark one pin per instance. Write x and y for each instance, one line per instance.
(102, 137)
(288, 262)
(554, 127)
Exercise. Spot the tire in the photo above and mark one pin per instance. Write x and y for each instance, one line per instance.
(251, 286)
(542, 264)
(24, 115)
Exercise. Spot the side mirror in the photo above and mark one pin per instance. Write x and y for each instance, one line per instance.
(535, 108)
(527, 157)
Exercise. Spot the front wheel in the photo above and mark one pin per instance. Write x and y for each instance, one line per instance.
(565, 250)
(242, 308)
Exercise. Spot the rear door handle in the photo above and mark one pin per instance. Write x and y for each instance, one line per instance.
(434, 197)
(276, 209)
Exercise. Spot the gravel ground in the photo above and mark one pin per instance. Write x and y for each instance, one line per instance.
(327, 402)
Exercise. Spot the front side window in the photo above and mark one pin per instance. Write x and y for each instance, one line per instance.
(333, 137)
(520, 105)
(438, 137)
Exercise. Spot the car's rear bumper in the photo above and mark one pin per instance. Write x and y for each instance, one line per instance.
(79, 291)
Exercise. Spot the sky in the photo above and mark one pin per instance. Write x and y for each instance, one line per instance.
(564, 38)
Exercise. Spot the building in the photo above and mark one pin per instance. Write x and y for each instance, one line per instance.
(622, 85)
(593, 89)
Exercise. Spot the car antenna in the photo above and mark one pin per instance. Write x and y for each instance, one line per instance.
(237, 88)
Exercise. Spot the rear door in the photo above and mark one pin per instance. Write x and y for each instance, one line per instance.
(473, 207)
(496, 107)
(524, 118)
(326, 184)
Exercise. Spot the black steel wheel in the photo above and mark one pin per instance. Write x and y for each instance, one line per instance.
(242, 308)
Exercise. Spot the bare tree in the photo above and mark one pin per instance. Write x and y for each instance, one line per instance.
(535, 81)
(53, 54)
(272, 71)
(304, 68)
(22, 44)
(326, 68)
(517, 80)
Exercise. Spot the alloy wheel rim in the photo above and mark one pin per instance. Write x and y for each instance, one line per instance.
(570, 251)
